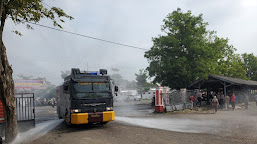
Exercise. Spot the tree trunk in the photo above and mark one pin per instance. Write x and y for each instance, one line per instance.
(7, 90)
(7, 96)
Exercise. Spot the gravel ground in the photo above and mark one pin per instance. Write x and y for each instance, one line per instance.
(225, 127)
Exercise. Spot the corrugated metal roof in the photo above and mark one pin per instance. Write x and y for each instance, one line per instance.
(234, 80)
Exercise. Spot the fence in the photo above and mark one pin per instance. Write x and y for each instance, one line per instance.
(177, 99)
(25, 107)
(25, 112)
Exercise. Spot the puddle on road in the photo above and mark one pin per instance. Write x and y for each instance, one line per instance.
(171, 124)
(40, 130)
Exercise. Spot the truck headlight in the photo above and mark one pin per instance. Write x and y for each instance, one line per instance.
(76, 110)
(109, 108)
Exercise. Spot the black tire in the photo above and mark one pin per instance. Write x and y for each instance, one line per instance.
(103, 123)
(67, 123)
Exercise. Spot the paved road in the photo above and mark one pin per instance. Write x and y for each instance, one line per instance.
(128, 109)
(135, 123)
(45, 113)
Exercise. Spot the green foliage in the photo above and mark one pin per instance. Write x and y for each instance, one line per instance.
(250, 62)
(141, 81)
(22, 11)
(141, 78)
(232, 66)
(188, 51)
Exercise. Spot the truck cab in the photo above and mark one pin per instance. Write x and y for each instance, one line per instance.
(86, 97)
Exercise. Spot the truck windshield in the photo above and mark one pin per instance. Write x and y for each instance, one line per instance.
(91, 90)
(101, 86)
(83, 87)
(93, 95)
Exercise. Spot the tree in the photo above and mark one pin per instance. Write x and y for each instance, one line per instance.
(232, 66)
(188, 51)
(250, 62)
(19, 11)
(142, 84)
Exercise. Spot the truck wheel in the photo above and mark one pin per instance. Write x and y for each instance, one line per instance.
(103, 123)
(67, 119)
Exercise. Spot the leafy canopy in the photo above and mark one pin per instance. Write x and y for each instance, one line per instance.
(188, 51)
(141, 81)
(22, 11)
(250, 62)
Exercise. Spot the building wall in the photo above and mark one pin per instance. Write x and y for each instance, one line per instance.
(148, 95)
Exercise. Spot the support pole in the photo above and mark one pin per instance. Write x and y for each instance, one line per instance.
(208, 94)
(225, 89)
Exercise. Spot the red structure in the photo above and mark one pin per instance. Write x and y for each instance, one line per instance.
(159, 106)
(1, 112)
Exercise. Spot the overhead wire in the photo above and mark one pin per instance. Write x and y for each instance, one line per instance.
(86, 36)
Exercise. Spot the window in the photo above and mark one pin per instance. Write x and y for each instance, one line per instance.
(101, 86)
(82, 87)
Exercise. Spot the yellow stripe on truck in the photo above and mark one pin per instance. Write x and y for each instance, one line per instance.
(82, 118)
(108, 116)
(79, 118)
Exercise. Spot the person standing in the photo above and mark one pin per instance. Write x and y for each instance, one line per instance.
(233, 100)
(200, 100)
(222, 100)
(192, 99)
(53, 102)
(246, 101)
(218, 97)
(227, 99)
(215, 103)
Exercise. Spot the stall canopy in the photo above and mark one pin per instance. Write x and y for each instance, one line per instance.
(217, 81)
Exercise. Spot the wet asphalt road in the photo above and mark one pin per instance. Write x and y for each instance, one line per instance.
(136, 123)
(124, 109)
(45, 113)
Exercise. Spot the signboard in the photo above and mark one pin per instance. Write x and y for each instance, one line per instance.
(29, 84)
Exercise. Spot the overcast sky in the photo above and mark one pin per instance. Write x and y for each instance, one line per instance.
(45, 52)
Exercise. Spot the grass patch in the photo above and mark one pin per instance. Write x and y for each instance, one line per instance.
(204, 109)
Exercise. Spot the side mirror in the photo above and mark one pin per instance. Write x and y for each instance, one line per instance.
(116, 89)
